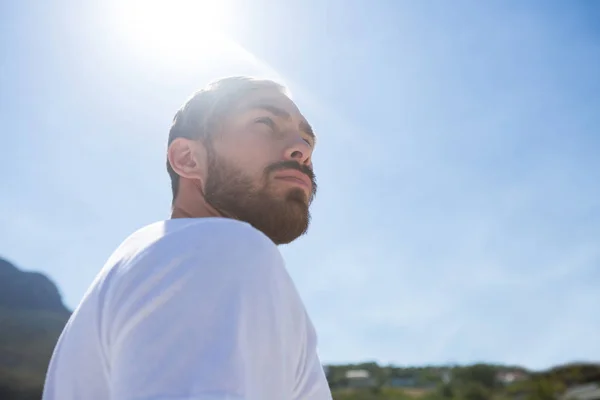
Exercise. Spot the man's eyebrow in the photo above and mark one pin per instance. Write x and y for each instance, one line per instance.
(279, 112)
(305, 126)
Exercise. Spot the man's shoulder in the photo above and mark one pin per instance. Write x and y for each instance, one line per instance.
(198, 227)
(209, 247)
(181, 258)
(199, 236)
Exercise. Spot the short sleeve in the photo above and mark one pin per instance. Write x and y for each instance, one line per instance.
(311, 382)
(203, 317)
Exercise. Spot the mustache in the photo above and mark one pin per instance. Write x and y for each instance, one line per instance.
(285, 165)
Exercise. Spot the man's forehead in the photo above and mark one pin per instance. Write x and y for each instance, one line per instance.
(272, 99)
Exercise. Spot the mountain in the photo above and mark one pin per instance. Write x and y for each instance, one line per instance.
(32, 316)
(20, 290)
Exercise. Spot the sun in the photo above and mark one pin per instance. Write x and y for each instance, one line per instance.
(175, 31)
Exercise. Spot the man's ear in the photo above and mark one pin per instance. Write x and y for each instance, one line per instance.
(188, 158)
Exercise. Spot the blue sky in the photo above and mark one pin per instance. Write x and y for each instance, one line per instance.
(458, 218)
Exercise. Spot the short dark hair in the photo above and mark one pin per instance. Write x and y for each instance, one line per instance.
(198, 117)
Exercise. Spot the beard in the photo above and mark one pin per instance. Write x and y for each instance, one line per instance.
(281, 216)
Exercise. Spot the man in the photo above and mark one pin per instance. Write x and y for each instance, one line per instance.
(200, 307)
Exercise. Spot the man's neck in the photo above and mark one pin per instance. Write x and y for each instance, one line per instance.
(193, 209)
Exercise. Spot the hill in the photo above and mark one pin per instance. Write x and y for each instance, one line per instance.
(32, 316)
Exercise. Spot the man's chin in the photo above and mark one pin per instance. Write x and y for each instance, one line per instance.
(297, 195)
(290, 222)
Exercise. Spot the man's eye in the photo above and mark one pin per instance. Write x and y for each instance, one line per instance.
(267, 121)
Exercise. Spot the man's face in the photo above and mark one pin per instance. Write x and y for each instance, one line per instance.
(260, 167)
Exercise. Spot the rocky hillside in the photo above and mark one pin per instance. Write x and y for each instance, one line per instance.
(20, 290)
(32, 315)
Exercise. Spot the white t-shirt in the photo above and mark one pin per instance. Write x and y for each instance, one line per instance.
(189, 309)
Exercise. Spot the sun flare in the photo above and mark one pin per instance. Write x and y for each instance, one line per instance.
(176, 31)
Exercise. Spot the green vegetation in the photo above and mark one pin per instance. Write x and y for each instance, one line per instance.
(473, 382)
(27, 339)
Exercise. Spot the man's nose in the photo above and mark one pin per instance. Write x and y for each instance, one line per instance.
(299, 150)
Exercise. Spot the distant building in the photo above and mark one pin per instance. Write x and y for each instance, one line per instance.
(359, 378)
(402, 382)
(446, 376)
(508, 377)
(583, 392)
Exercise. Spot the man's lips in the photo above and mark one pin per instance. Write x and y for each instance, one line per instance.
(295, 177)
